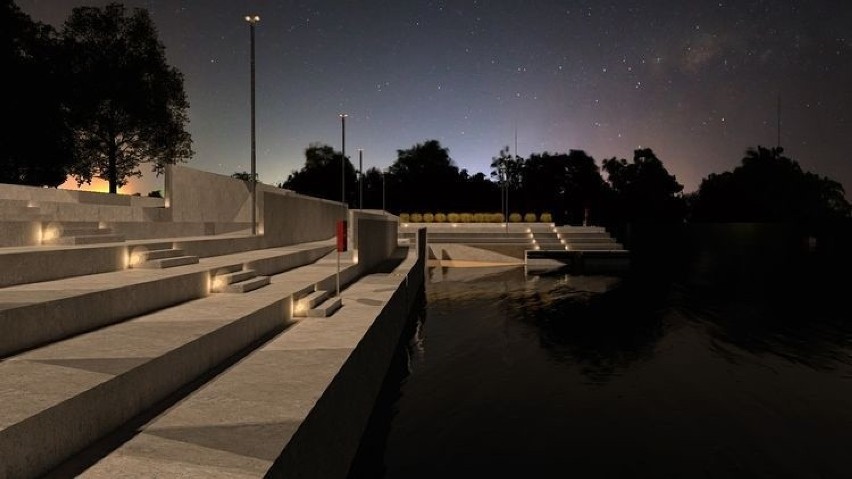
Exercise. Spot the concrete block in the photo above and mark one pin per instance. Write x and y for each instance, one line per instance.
(170, 262)
(325, 309)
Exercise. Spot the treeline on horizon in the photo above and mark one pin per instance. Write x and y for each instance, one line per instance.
(572, 188)
(97, 99)
(94, 99)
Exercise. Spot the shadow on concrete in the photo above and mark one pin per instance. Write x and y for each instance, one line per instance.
(89, 456)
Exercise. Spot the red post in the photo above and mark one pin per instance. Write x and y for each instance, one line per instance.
(341, 236)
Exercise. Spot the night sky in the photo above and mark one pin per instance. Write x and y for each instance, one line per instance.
(697, 81)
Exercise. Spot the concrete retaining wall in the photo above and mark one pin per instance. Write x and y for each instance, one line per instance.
(290, 218)
(326, 442)
(372, 235)
(37, 194)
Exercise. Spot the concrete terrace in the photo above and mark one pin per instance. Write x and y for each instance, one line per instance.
(536, 246)
(213, 355)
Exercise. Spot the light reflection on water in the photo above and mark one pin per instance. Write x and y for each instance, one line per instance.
(511, 375)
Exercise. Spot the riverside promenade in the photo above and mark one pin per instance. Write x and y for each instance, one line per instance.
(228, 362)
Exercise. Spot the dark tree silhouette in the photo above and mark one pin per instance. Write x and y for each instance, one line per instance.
(128, 105)
(373, 184)
(644, 189)
(768, 187)
(320, 177)
(562, 184)
(243, 175)
(35, 143)
(425, 178)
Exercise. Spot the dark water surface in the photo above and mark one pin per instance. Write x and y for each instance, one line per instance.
(718, 369)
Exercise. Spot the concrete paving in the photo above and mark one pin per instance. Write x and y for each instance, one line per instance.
(246, 422)
(59, 398)
(37, 313)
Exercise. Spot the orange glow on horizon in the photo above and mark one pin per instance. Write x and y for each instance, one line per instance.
(98, 185)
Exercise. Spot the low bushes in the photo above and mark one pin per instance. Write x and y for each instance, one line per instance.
(454, 217)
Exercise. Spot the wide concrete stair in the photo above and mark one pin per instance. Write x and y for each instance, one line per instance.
(150, 333)
(316, 304)
(587, 238)
(78, 233)
(20, 210)
(159, 256)
(237, 280)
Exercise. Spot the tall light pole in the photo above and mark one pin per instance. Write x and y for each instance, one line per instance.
(360, 179)
(384, 173)
(252, 21)
(343, 161)
(342, 184)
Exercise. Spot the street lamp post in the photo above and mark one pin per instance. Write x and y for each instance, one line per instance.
(384, 173)
(360, 179)
(252, 21)
(342, 184)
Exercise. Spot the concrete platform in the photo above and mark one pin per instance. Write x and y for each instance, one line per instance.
(38, 313)
(59, 398)
(294, 408)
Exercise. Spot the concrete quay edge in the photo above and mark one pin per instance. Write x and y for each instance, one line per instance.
(59, 398)
(294, 408)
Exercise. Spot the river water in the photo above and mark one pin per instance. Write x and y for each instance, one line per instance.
(716, 368)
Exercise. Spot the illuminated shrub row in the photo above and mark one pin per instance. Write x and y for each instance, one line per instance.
(473, 218)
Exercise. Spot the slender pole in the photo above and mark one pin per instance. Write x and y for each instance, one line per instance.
(342, 185)
(779, 122)
(383, 191)
(252, 20)
(360, 179)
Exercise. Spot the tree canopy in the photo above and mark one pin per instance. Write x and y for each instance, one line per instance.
(127, 104)
(769, 187)
(644, 190)
(321, 175)
(35, 143)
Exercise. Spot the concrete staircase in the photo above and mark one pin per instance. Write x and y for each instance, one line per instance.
(82, 356)
(317, 304)
(78, 233)
(236, 279)
(159, 256)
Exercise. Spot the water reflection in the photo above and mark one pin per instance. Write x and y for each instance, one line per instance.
(711, 367)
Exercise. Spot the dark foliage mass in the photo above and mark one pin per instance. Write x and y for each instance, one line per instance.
(94, 100)
(128, 104)
(35, 143)
(769, 187)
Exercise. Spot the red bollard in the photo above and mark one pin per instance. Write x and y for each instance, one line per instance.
(341, 236)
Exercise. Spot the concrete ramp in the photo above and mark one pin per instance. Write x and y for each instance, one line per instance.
(470, 253)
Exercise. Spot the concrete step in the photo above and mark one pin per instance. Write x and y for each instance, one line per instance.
(269, 414)
(32, 315)
(587, 239)
(239, 282)
(142, 256)
(84, 239)
(302, 305)
(326, 308)
(63, 397)
(573, 246)
(168, 262)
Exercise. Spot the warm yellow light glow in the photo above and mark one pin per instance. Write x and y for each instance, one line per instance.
(252, 18)
(355, 256)
(218, 283)
(50, 233)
